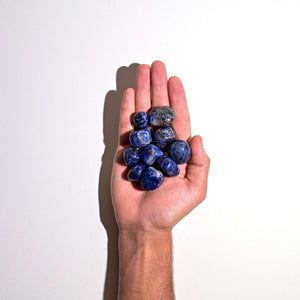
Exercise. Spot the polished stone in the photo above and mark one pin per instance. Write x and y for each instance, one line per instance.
(163, 135)
(179, 151)
(140, 138)
(150, 153)
(151, 179)
(161, 115)
(167, 165)
(140, 119)
(135, 173)
(131, 156)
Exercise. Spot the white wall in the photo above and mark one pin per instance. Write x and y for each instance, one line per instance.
(239, 61)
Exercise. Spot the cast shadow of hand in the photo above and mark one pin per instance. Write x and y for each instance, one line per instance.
(125, 78)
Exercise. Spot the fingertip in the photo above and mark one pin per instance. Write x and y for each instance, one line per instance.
(144, 68)
(175, 79)
(158, 64)
(175, 86)
(159, 73)
(129, 91)
(198, 140)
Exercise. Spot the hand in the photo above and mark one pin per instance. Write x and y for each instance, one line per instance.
(158, 210)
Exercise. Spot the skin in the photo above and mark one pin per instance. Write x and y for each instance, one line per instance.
(146, 218)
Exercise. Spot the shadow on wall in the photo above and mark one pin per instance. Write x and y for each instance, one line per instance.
(125, 78)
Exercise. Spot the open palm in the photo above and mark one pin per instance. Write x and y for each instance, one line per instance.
(162, 208)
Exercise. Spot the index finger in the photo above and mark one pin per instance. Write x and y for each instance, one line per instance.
(181, 124)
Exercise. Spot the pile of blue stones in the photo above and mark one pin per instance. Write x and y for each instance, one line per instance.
(155, 152)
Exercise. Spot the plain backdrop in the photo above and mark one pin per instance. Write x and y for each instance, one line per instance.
(63, 67)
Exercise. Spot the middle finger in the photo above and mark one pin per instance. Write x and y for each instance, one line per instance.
(159, 84)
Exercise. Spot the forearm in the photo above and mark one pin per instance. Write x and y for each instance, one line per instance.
(145, 265)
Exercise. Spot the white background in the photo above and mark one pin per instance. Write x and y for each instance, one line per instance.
(239, 62)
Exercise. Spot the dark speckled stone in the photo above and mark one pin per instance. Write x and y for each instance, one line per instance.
(135, 173)
(140, 119)
(161, 115)
(168, 165)
(163, 135)
(131, 156)
(150, 153)
(140, 138)
(151, 179)
(179, 151)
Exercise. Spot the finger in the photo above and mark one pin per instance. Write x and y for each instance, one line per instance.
(198, 166)
(159, 84)
(127, 108)
(142, 96)
(178, 102)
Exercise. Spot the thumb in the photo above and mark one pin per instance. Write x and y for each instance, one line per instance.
(198, 166)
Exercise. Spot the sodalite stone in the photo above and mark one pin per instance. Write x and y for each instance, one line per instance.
(135, 173)
(161, 115)
(131, 156)
(180, 151)
(140, 138)
(150, 153)
(151, 179)
(168, 165)
(163, 135)
(140, 119)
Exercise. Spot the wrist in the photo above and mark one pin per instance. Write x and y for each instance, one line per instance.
(147, 236)
(147, 242)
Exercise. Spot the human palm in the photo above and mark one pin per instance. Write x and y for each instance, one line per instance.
(162, 208)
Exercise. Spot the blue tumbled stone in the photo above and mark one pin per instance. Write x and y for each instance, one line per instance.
(135, 173)
(150, 153)
(140, 119)
(151, 179)
(163, 135)
(161, 115)
(179, 151)
(131, 156)
(140, 138)
(168, 165)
